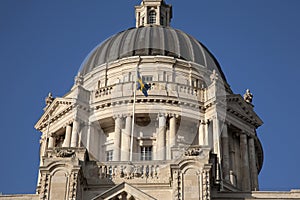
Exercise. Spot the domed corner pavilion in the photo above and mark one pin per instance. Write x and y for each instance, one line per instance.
(150, 116)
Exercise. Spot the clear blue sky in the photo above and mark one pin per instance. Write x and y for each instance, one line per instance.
(42, 45)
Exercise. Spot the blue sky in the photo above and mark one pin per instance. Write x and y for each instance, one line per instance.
(43, 43)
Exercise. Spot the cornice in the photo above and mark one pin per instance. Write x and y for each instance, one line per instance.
(249, 115)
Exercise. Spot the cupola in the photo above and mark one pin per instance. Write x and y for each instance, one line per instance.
(153, 12)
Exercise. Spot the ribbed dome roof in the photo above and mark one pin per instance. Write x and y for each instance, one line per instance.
(151, 40)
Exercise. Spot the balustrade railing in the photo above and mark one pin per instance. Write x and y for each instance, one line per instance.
(157, 88)
(113, 170)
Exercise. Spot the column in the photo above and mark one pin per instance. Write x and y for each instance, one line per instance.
(172, 136)
(253, 168)
(205, 132)
(225, 153)
(158, 16)
(209, 132)
(202, 137)
(245, 174)
(75, 132)
(161, 137)
(117, 138)
(51, 141)
(67, 140)
(232, 160)
(125, 144)
(216, 136)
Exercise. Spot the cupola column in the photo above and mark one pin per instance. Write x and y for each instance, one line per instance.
(117, 138)
(254, 173)
(245, 173)
(67, 140)
(161, 137)
(125, 144)
(75, 132)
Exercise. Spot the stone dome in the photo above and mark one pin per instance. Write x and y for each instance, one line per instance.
(151, 41)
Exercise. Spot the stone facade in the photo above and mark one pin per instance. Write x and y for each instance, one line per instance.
(191, 138)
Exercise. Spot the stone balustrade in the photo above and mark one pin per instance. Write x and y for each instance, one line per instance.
(133, 172)
(175, 90)
(126, 170)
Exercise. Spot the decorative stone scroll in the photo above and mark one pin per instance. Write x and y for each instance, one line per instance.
(65, 153)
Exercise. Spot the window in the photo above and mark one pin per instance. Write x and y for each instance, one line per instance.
(146, 153)
(152, 17)
(109, 155)
(147, 78)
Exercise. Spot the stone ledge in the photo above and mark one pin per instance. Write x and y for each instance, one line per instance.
(19, 197)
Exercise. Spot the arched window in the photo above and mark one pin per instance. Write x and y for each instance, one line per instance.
(152, 17)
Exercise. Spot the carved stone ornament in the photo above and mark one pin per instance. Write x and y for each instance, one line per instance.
(65, 153)
(194, 151)
(49, 99)
(248, 96)
(79, 79)
(214, 76)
